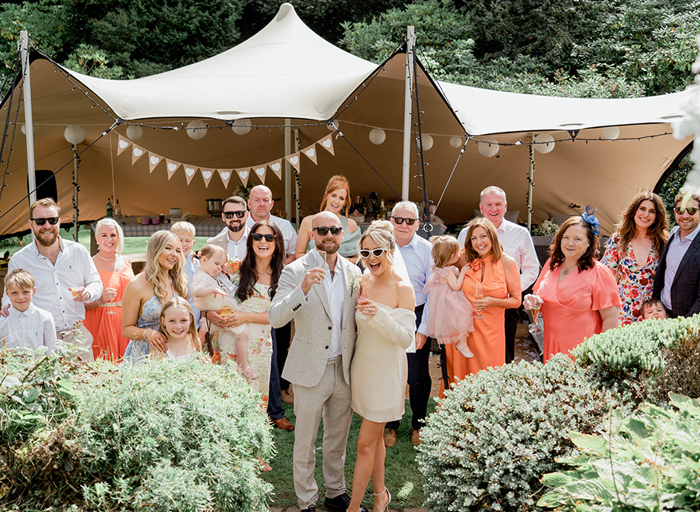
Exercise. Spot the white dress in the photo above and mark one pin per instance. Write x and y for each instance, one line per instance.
(213, 303)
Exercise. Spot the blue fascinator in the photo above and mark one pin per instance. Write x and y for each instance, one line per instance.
(589, 218)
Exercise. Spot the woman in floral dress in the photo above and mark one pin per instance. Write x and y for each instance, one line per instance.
(633, 252)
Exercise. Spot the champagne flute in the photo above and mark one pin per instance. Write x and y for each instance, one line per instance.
(324, 261)
(536, 303)
(478, 294)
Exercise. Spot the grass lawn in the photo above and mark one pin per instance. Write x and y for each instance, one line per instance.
(402, 476)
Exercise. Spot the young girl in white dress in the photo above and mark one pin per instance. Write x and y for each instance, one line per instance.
(451, 315)
(213, 290)
(178, 325)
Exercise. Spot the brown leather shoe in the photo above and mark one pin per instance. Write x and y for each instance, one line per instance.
(283, 424)
(287, 397)
(390, 435)
(415, 438)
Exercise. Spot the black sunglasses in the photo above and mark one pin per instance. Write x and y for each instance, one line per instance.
(323, 230)
(679, 211)
(259, 236)
(54, 220)
(401, 220)
(239, 215)
(377, 253)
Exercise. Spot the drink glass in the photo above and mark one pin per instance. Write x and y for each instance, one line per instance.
(324, 261)
(478, 294)
(76, 291)
(114, 291)
(225, 310)
(536, 304)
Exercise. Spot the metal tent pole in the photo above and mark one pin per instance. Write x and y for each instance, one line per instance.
(530, 182)
(410, 43)
(28, 119)
(288, 170)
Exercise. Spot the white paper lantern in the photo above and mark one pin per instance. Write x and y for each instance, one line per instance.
(377, 136)
(196, 130)
(134, 132)
(23, 129)
(456, 142)
(611, 132)
(427, 142)
(242, 126)
(488, 147)
(74, 134)
(544, 143)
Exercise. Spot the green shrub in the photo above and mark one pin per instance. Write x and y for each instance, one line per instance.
(648, 461)
(496, 433)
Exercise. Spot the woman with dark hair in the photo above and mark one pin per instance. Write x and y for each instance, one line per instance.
(576, 293)
(634, 250)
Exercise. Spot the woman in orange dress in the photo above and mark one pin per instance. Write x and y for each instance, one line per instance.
(103, 318)
(499, 279)
(577, 294)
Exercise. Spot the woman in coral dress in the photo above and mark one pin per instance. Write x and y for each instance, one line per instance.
(498, 276)
(577, 294)
(103, 318)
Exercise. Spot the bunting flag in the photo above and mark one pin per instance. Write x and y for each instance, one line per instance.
(327, 143)
(225, 175)
(136, 153)
(310, 152)
(261, 171)
(244, 174)
(172, 167)
(153, 160)
(294, 160)
(189, 173)
(122, 144)
(276, 167)
(207, 175)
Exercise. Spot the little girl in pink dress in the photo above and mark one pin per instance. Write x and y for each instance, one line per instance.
(450, 317)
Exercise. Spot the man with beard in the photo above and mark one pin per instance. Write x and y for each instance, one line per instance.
(321, 296)
(66, 277)
(233, 240)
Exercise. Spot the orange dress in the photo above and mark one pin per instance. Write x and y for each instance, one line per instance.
(570, 308)
(105, 323)
(488, 341)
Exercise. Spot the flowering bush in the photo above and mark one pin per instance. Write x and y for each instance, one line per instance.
(548, 227)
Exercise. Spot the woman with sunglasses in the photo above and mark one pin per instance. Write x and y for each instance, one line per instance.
(385, 324)
(634, 250)
(336, 197)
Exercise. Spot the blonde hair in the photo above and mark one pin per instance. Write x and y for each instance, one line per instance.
(209, 251)
(183, 228)
(179, 302)
(156, 245)
(486, 225)
(19, 278)
(114, 224)
(382, 233)
(444, 249)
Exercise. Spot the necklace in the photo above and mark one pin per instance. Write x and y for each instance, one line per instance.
(106, 259)
(567, 270)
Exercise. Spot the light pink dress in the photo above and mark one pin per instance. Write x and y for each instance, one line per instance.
(451, 315)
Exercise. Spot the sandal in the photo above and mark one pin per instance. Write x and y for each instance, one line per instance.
(249, 373)
(386, 490)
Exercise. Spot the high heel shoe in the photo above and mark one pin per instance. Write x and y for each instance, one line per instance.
(386, 507)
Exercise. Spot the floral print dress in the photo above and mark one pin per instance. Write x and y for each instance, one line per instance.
(635, 283)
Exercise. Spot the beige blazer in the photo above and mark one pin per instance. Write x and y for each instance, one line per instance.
(221, 240)
(309, 350)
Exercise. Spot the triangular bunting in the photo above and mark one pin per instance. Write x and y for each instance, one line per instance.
(244, 174)
(189, 173)
(276, 167)
(153, 160)
(122, 144)
(294, 160)
(207, 175)
(136, 153)
(310, 152)
(327, 143)
(225, 175)
(260, 171)
(171, 166)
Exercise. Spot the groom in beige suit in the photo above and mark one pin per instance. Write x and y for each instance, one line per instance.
(321, 298)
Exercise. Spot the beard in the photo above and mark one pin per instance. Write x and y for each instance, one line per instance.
(330, 250)
(46, 239)
(235, 228)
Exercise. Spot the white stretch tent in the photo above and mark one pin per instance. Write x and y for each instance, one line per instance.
(288, 72)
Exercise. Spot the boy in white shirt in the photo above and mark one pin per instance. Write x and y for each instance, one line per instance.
(26, 325)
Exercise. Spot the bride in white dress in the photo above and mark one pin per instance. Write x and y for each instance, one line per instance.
(385, 329)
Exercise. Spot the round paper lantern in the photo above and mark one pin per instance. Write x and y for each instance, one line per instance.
(456, 142)
(545, 143)
(488, 147)
(23, 129)
(427, 142)
(74, 134)
(196, 130)
(330, 126)
(611, 132)
(242, 126)
(134, 132)
(377, 136)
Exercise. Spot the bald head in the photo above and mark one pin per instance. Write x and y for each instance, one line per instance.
(325, 218)
(260, 203)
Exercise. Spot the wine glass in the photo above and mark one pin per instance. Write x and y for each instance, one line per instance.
(478, 294)
(536, 303)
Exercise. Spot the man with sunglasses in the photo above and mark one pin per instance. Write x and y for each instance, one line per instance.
(320, 294)
(234, 237)
(677, 280)
(260, 203)
(66, 277)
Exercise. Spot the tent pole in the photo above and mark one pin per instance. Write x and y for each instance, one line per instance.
(75, 192)
(530, 182)
(28, 119)
(297, 202)
(288, 170)
(410, 42)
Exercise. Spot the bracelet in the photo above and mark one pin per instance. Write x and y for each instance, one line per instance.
(145, 335)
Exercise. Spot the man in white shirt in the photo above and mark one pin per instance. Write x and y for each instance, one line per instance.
(234, 237)
(65, 275)
(260, 204)
(517, 243)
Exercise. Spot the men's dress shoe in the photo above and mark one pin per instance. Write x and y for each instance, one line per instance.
(283, 424)
(415, 438)
(390, 435)
(312, 508)
(287, 397)
(340, 504)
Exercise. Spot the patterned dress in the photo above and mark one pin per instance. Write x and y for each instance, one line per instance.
(635, 283)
